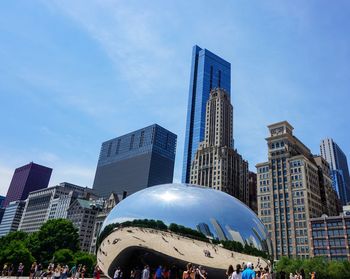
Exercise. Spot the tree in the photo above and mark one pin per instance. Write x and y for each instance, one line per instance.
(83, 258)
(54, 235)
(64, 256)
(16, 252)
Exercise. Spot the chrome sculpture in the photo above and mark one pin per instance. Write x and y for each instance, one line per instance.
(208, 216)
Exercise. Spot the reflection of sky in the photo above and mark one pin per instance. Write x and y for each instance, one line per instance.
(189, 206)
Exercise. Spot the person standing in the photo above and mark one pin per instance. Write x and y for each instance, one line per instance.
(83, 271)
(229, 272)
(77, 273)
(20, 270)
(237, 274)
(57, 272)
(65, 271)
(249, 273)
(145, 272)
(32, 270)
(73, 271)
(159, 272)
(10, 270)
(97, 272)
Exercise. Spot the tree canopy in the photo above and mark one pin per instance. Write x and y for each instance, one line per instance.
(324, 268)
(57, 240)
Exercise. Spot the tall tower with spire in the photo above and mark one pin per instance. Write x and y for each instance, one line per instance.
(216, 163)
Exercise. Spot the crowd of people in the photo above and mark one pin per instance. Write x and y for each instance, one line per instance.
(58, 271)
(8, 270)
(247, 271)
(162, 272)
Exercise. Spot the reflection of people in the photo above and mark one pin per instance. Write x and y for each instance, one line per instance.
(188, 274)
(145, 272)
(159, 272)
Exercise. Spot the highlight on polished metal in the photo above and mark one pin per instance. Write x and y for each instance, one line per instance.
(179, 223)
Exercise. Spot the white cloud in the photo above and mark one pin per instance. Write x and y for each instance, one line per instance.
(5, 176)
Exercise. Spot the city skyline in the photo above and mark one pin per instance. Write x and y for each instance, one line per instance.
(66, 74)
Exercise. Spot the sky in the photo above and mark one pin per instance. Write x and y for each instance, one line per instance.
(76, 73)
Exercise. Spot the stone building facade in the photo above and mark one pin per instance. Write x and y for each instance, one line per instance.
(216, 163)
(289, 193)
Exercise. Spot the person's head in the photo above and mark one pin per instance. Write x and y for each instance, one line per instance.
(238, 268)
(189, 267)
(229, 269)
(250, 265)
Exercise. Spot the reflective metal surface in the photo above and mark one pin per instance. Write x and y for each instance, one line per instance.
(214, 213)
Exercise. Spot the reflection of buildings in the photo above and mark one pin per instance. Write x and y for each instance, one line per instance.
(234, 235)
(204, 229)
(216, 164)
(135, 161)
(208, 71)
(218, 229)
(252, 242)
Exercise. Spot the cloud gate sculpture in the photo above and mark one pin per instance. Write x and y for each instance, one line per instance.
(173, 224)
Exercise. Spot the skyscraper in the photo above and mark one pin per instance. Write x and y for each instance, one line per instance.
(50, 203)
(289, 191)
(216, 164)
(26, 179)
(12, 217)
(207, 71)
(340, 172)
(135, 161)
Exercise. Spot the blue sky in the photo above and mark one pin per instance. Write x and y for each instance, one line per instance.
(76, 73)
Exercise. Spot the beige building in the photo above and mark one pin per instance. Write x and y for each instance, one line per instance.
(289, 192)
(108, 205)
(216, 163)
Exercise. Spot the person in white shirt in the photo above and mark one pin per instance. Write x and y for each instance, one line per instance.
(238, 272)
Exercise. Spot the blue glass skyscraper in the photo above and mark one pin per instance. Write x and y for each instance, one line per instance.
(339, 166)
(207, 71)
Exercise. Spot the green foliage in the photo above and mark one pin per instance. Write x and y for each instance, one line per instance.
(16, 252)
(86, 259)
(324, 268)
(54, 235)
(64, 256)
(57, 237)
